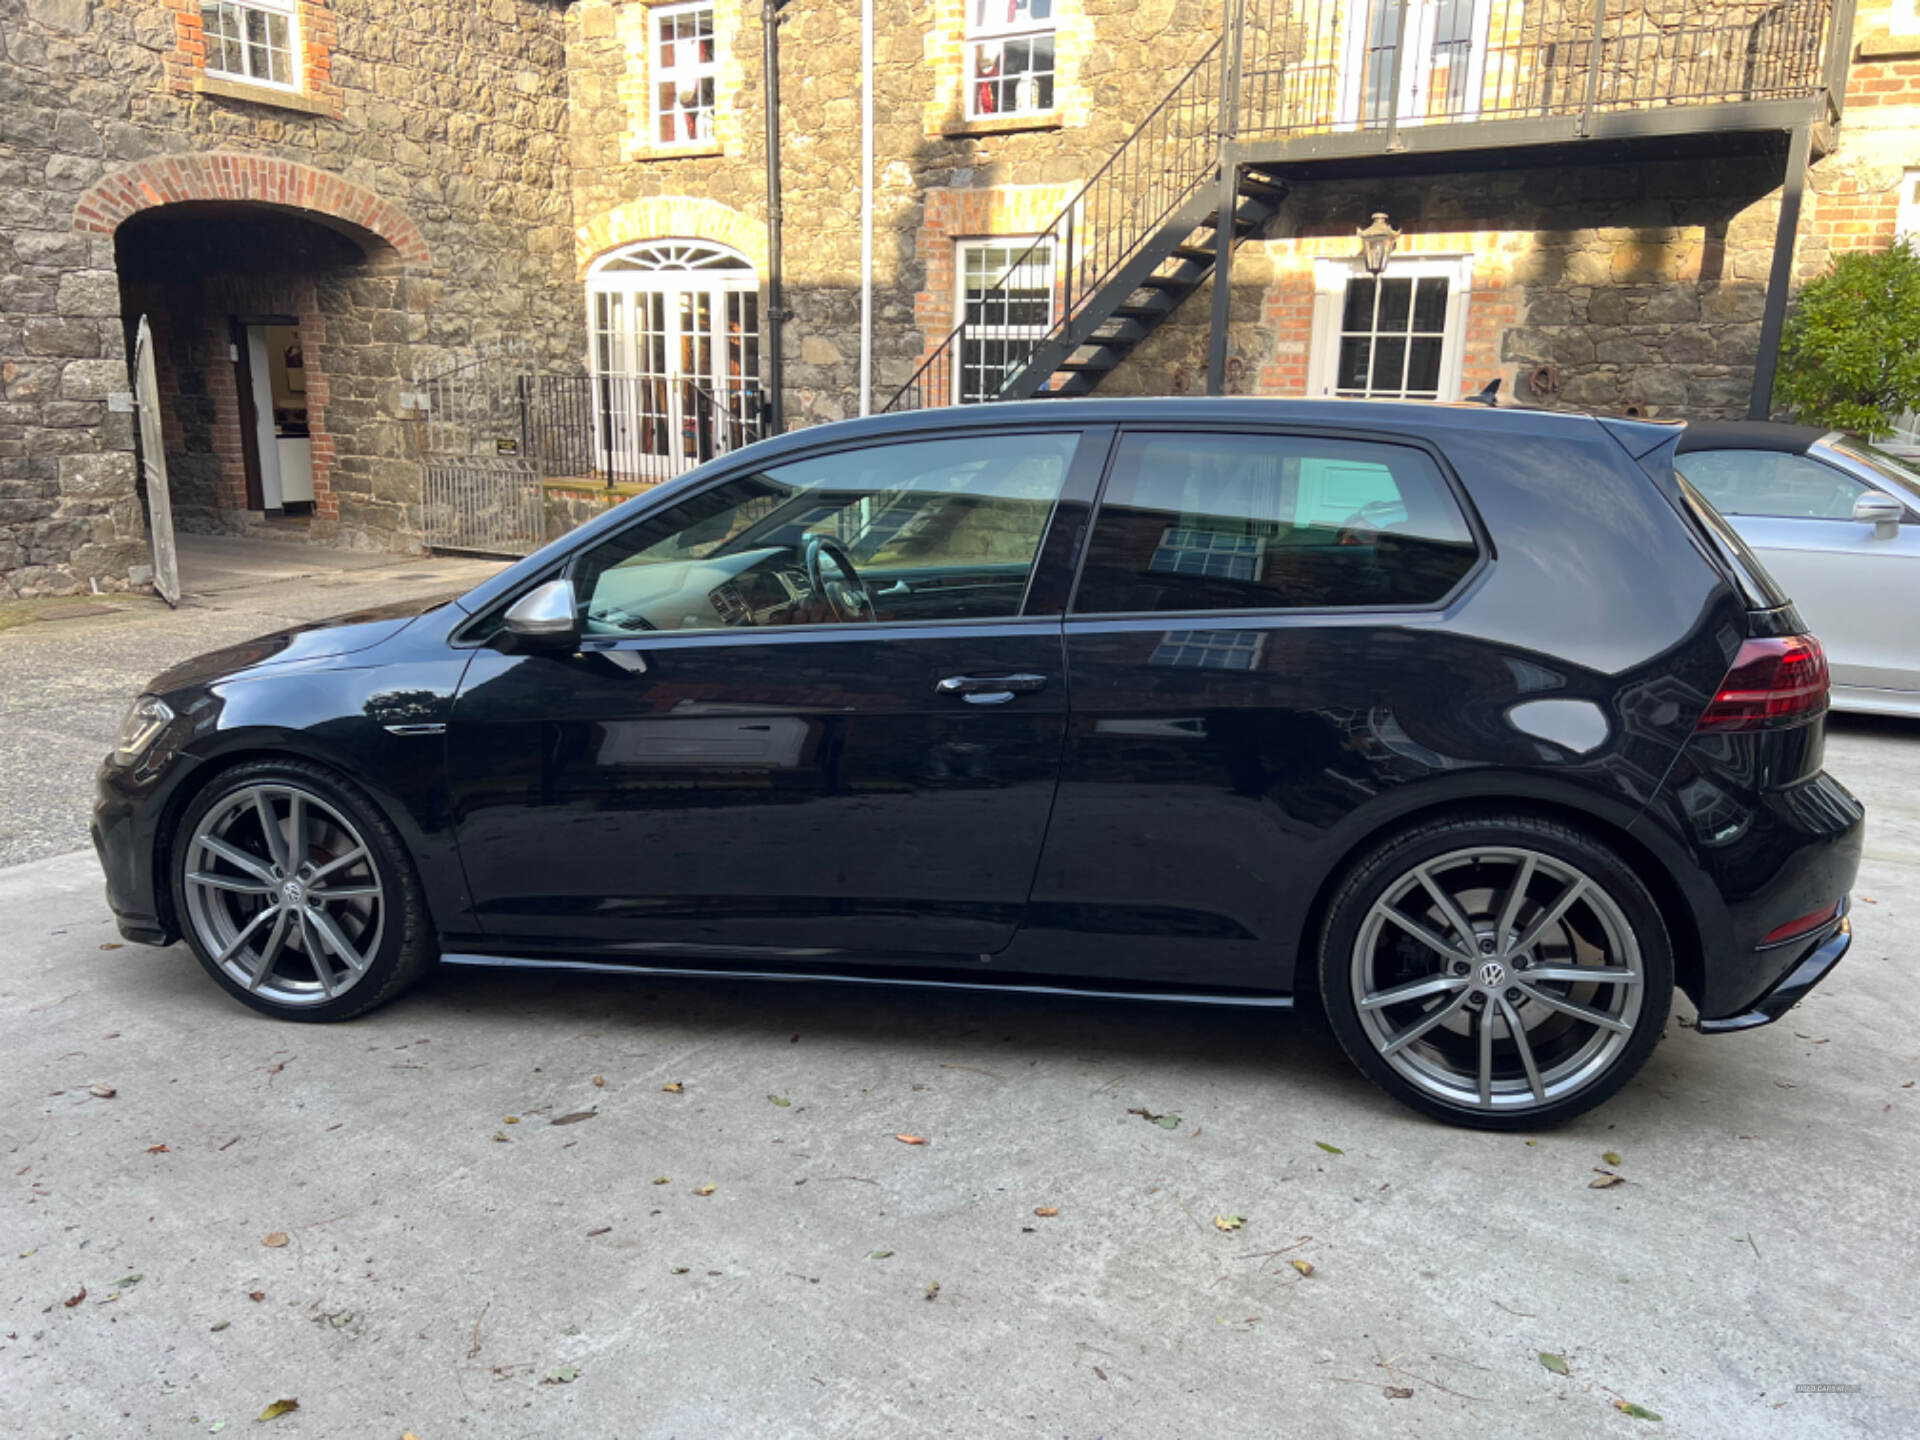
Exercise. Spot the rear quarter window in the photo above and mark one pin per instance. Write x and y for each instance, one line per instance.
(1192, 522)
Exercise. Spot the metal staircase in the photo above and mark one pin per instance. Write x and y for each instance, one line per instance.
(1120, 257)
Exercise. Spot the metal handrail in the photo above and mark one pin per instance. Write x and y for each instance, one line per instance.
(1097, 230)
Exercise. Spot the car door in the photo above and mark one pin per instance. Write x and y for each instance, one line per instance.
(745, 757)
(1853, 585)
(1241, 599)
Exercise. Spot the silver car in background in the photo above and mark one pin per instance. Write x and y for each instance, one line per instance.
(1837, 523)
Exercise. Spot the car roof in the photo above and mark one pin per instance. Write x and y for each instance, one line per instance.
(1750, 435)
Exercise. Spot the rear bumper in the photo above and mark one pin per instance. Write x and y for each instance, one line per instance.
(1791, 988)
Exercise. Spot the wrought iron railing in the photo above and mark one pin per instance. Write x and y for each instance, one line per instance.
(1308, 68)
(635, 428)
(1156, 170)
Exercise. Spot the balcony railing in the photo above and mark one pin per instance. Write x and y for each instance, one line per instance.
(1320, 66)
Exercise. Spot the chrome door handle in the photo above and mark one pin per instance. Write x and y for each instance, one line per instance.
(990, 689)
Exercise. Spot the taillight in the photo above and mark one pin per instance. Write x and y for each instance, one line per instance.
(1804, 925)
(1774, 683)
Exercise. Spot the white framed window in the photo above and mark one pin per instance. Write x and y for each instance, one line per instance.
(1906, 225)
(1009, 58)
(685, 72)
(1401, 336)
(1005, 299)
(256, 40)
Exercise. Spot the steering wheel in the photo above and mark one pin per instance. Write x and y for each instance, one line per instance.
(847, 596)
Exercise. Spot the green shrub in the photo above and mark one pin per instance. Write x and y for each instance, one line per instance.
(1850, 358)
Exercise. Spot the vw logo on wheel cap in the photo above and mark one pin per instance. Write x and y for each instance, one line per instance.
(1493, 974)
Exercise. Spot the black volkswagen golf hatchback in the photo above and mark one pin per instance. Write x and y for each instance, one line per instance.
(1477, 725)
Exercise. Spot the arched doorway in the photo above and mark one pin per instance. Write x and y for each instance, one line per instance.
(675, 336)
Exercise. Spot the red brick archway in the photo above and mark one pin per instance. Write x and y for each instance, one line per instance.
(224, 175)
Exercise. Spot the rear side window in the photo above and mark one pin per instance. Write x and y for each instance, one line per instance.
(1262, 522)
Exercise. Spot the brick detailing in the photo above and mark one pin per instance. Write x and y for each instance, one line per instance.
(975, 214)
(186, 62)
(944, 52)
(735, 25)
(226, 175)
(671, 217)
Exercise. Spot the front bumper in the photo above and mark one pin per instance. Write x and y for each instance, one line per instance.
(126, 811)
(1791, 988)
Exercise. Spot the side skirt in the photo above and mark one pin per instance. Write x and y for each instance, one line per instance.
(1242, 999)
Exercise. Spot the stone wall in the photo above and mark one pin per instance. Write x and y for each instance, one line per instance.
(431, 132)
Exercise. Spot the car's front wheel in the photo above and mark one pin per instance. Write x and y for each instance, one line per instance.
(297, 894)
(1499, 972)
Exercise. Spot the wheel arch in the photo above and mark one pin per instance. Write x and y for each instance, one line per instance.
(1683, 923)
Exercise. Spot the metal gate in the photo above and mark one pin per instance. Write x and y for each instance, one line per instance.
(479, 487)
(153, 464)
(488, 507)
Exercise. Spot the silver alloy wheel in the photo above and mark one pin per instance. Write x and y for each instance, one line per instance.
(282, 892)
(1497, 978)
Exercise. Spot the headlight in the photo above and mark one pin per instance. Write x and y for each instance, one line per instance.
(146, 718)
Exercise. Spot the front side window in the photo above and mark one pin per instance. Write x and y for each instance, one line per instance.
(915, 532)
(685, 70)
(1009, 58)
(1194, 522)
(1767, 482)
(251, 40)
(1006, 304)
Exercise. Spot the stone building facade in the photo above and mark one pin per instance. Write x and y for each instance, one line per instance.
(423, 181)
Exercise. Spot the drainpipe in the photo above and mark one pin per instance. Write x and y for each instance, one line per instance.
(866, 207)
(776, 295)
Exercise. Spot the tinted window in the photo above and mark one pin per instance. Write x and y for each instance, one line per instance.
(1249, 522)
(1766, 482)
(935, 530)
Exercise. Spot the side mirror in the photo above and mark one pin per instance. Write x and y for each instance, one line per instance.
(544, 618)
(1883, 512)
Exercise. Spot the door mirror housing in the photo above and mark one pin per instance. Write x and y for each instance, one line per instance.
(544, 618)
(1883, 512)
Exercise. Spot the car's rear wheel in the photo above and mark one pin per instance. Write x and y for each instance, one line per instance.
(1502, 973)
(296, 893)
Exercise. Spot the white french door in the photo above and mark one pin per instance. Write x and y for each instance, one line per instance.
(1442, 74)
(675, 333)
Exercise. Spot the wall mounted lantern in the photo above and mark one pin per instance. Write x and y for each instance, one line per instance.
(1376, 243)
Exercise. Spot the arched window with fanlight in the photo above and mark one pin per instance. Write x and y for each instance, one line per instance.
(674, 327)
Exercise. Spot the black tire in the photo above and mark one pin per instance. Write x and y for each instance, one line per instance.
(1621, 916)
(405, 949)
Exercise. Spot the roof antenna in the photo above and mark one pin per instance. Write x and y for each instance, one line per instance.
(1490, 396)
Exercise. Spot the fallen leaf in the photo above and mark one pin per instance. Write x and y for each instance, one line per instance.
(1606, 1182)
(1612, 1157)
(599, 1080)
(674, 1087)
(604, 1229)
(511, 1120)
(1399, 1392)
(911, 1139)
(882, 1255)
(1101, 1373)
(563, 1376)
(276, 1410)
(1305, 1267)
(219, 1325)
(1046, 1211)
(156, 1150)
(575, 1118)
(706, 1189)
(113, 945)
(1165, 1122)
(1638, 1412)
(25, 1253)
(274, 1241)
(129, 1280)
(1532, 1143)
(76, 1299)
(1330, 1149)
(664, 1180)
(678, 1270)
(1227, 1222)
(933, 1289)
(256, 1296)
(102, 1092)
(782, 1101)
(1556, 1363)
(502, 1138)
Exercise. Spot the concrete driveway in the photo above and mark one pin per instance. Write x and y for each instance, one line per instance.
(451, 1272)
